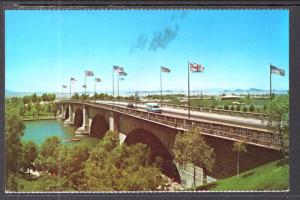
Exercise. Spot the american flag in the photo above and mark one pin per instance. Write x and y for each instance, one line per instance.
(276, 70)
(84, 86)
(89, 73)
(165, 69)
(64, 86)
(194, 67)
(122, 73)
(72, 79)
(97, 80)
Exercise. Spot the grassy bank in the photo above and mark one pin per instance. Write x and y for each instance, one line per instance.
(272, 176)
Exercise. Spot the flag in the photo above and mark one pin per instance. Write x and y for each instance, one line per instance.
(122, 73)
(121, 79)
(64, 86)
(194, 67)
(276, 70)
(89, 73)
(97, 80)
(118, 69)
(72, 79)
(84, 86)
(165, 69)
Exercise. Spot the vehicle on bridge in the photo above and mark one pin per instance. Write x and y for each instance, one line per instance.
(130, 105)
(153, 107)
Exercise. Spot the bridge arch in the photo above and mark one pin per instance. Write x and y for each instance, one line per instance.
(78, 119)
(157, 149)
(99, 126)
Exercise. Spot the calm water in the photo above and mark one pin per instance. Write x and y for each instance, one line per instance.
(39, 131)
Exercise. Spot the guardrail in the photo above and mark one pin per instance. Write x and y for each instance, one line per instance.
(255, 136)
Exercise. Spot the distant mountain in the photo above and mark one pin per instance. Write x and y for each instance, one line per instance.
(255, 90)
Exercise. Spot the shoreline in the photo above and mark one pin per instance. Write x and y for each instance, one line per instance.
(37, 119)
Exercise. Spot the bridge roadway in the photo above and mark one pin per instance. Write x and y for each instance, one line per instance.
(227, 127)
(197, 115)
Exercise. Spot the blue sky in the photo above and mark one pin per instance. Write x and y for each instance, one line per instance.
(43, 49)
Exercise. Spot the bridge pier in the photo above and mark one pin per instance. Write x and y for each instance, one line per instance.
(85, 128)
(70, 120)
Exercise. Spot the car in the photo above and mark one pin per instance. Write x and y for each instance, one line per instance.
(153, 107)
(130, 105)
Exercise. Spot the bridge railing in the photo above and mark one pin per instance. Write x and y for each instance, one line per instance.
(247, 134)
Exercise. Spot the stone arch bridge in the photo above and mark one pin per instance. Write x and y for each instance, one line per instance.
(159, 131)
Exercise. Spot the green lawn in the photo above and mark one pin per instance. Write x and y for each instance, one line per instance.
(272, 176)
(45, 183)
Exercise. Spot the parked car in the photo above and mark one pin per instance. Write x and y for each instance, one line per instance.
(130, 105)
(153, 107)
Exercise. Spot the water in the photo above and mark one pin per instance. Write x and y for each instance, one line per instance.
(38, 131)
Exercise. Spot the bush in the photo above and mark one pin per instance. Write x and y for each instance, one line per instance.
(238, 108)
(226, 107)
(232, 108)
(251, 108)
(245, 109)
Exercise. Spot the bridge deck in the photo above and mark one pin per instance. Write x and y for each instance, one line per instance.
(251, 135)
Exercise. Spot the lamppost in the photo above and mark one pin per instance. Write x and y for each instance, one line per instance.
(87, 73)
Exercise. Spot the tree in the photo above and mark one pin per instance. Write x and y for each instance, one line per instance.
(37, 108)
(239, 147)
(190, 147)
(277, 119)
(75, 96)
(120, 168)
(45, 97)
(14, 128)
(251, 108)
(26, 100)
(33, 98)
(30, 153)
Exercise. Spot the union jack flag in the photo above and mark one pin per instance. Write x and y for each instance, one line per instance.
(84, 86)
(194, 67)
(72, 79)
(97, 80)
(165, 69)
(89, 73)
(64, 86)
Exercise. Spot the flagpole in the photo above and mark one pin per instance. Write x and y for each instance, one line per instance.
(62, 91)
(85, 84)
(270, 82)
(160, 88)
(189, 114)
(70, 88)
(95, 90)
(118, 86)
(113, 86)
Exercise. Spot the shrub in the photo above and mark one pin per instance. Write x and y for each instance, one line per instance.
(251, 108)
(226, 107)
(232, 108)
(245, 109)
(238, 108)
